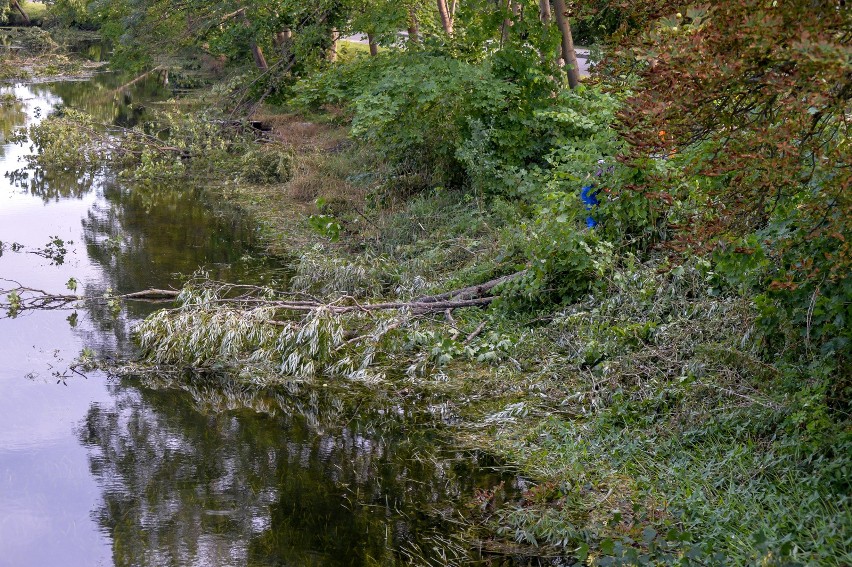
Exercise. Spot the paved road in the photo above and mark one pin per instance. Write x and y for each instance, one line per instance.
(583, 61)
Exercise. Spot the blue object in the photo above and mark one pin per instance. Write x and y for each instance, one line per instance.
(589, 195)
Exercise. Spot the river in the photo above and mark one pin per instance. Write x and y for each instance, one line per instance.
(99, 470)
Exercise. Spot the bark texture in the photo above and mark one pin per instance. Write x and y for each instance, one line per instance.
(568, 53)
(446, 17)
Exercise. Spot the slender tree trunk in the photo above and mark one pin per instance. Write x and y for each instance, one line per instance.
(284, 42)
(256, 50)
(374, 47)
(568, 53)
(446, 18)
(335, 39)
(544, 11)
(413, 27)
(24, 15)
(259, 59)
(507, 24)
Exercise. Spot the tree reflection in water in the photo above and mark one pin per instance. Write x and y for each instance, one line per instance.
(247, 487)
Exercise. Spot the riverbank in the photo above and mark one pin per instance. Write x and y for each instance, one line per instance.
(643, 414)
(337, 474)
(639, 400)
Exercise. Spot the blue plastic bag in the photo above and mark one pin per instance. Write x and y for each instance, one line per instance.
(589, 195)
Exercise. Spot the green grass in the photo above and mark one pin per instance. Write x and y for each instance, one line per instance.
(349, 50)
(35, 10)
(650, 428)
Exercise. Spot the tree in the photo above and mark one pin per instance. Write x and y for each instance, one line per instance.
(568, 54)
(544, 11)
(446, 17)
(16, 5)
(750, 101)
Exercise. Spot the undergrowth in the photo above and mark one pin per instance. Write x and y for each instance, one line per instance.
(657, 434)
(644, 412)
(637, 391)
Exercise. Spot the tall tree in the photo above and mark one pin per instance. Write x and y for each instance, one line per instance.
(572, 68)
(446, 17)
(754, 98)
(413, 26)
(544, 11)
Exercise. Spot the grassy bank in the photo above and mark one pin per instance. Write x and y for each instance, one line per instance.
(644, 412)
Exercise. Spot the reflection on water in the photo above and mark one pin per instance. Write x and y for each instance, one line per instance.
(247, 488)
(103, 98)
(12, 115)
(101, 471)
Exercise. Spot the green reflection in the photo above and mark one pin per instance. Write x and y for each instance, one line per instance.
(185, 487)
(103, 98)
(12, 116)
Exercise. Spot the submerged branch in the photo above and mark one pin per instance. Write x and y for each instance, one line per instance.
(21, 298)
(141, 77)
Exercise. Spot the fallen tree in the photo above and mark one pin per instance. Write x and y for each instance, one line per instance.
(282, 335)
(27, 298)
(286, 334)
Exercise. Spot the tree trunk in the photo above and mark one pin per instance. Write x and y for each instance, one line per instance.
(413, 27)
(568, 53)
(259, 59)
(335, 39)
(284, 42)
(515, 9)
(256, 50)
(544, 11)
(507, 24)
(374, 47)
(24, 15)
(446, 18)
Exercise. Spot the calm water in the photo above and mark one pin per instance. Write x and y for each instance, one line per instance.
(100, 471)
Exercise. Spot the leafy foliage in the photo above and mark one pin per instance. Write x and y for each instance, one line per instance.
(673, 376)
(751, 101)
(166, 146)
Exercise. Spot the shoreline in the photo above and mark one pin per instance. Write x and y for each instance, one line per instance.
(614, 404)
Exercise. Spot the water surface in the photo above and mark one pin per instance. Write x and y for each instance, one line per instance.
(101, 471)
